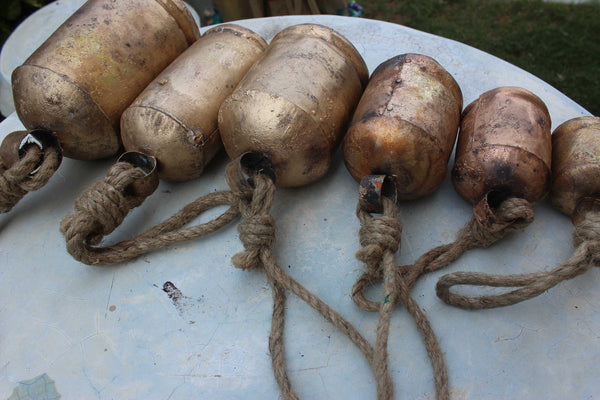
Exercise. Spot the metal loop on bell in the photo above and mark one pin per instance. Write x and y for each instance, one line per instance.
(14, 145)
(372, 190)
(145, 186)
(240, 171)
(585, 205)
(483, 211)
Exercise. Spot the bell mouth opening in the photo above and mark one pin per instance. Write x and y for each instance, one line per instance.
(257, 163)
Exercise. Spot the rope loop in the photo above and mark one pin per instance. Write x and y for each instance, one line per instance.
(30, 172)
(586, 254)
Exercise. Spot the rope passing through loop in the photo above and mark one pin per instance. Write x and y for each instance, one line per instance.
(257, 233)
(587, 254)
(104, 206)
(516, 212)
(380, 238)
(31, 172)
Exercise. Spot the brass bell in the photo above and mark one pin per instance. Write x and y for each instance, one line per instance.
(576, 167)
(295, 102)
(405, 125)
(83, 77)
(504, 147)
(175, 117)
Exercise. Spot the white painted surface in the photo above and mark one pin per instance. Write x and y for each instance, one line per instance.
(111, 332)
(29, 35)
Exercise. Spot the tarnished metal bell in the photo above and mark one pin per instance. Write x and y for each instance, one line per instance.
(89, 71)
(295, 102)
(576, 166)
(504, 147)
(175, 117)
(405, 125)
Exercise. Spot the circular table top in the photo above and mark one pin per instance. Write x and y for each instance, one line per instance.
(112, 332)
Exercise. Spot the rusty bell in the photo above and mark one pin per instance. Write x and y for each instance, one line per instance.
(405, 125)
(504, 147)
(89, 71)
(175, 118)
(295, 102)
(576, 166)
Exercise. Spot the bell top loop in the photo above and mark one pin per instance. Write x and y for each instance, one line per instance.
(14, 144)
(240, 171)
(145, 186)
(575, 166)
(372, 190)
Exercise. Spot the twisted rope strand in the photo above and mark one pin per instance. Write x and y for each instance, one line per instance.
(380, 238)
(103, 207)
(586, 255)
(19, 179)
(257, 233)
(514, 210)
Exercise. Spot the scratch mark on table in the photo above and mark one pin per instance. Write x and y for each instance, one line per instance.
(109, 295)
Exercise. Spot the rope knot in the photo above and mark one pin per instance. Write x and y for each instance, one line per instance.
(103, 207)
(376, 236)
(29, 173)
(257, 229)
(588, 230)
(515, 212)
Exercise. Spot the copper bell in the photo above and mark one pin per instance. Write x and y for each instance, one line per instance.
(405, 125)
(504, 147)
(295, 102)
(576, 167)
(83, 77)
(175, 118)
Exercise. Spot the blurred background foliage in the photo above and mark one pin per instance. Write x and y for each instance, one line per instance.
(12, 12)
(558, 42)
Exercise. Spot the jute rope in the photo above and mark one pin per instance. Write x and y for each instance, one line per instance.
(380, 239)
(517, 212)
(257, 233)
(103, 207)
(20, 178)
(586, 255)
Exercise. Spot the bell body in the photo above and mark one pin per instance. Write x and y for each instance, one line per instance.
(83, 77)
(405, 125)
(504, 146)
(295, 102)
(175, 117)
(575, 163)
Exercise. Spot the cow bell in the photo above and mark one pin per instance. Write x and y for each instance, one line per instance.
(504, 147)
(175, 117)
(78, 83)
(295, 102)
(405, 125)
(576, 166)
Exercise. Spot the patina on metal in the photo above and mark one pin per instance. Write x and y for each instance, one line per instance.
(175, 117)
(405, 125)
(576, 167)
(83, 77)
(504, 150)
(295, 102)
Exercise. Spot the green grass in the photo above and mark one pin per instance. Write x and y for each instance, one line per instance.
(559, 43)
